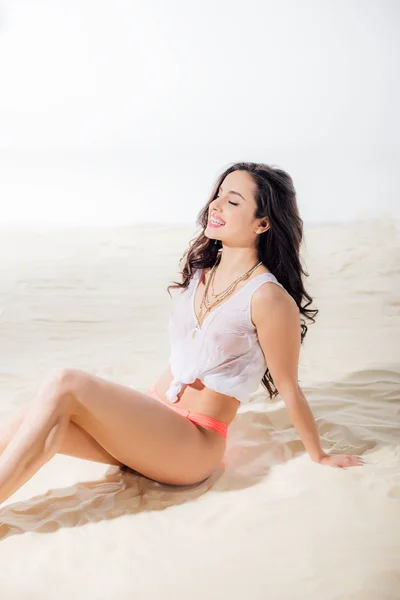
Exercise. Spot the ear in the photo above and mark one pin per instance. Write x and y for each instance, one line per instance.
(263, 226)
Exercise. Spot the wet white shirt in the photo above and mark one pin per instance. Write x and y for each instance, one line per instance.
(224, 354)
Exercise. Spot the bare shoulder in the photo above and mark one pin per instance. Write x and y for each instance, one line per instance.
(271, 301)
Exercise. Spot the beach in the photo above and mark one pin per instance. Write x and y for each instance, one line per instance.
(271, 523)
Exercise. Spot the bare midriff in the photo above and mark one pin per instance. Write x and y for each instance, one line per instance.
(196, 397)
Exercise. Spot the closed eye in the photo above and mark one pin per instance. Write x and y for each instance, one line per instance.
(230, 202)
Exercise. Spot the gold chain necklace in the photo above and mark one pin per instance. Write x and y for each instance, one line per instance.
(205, 302)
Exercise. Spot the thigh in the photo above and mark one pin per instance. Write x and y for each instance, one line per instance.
(80, 444)
(141, 432)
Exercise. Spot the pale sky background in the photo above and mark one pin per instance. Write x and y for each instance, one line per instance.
(125, 112)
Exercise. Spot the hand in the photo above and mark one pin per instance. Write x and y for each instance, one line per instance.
(341, 461)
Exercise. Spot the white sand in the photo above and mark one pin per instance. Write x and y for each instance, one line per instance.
(274, 524)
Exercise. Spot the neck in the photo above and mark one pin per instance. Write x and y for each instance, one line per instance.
(234, 262)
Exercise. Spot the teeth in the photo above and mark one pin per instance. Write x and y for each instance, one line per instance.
(217, 222)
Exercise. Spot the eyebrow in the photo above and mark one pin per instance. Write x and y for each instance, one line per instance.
(233, 192)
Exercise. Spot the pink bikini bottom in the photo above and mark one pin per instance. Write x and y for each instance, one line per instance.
(198, 418)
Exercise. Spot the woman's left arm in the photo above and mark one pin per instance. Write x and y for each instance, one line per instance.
(277, 319)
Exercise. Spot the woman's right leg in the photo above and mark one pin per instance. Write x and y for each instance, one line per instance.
(78, 442)
(10, 426)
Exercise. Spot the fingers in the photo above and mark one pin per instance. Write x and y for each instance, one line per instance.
(343, 461)
(354, 461)
(349, 460)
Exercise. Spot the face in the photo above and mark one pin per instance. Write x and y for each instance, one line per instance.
(235, 205)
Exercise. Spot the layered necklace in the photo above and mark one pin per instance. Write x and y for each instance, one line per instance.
(207, 304)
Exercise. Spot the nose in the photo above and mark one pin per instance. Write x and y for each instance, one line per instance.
(215, 206)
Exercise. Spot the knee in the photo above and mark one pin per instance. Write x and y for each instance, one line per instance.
(59, 383)
(60, 376)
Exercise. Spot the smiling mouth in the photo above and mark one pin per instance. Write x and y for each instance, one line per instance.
(217, 223)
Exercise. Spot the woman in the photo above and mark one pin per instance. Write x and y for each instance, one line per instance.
(225, 327)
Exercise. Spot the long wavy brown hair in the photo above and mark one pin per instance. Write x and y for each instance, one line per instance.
(278, 247)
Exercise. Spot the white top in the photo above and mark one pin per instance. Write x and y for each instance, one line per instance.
(224, 354)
